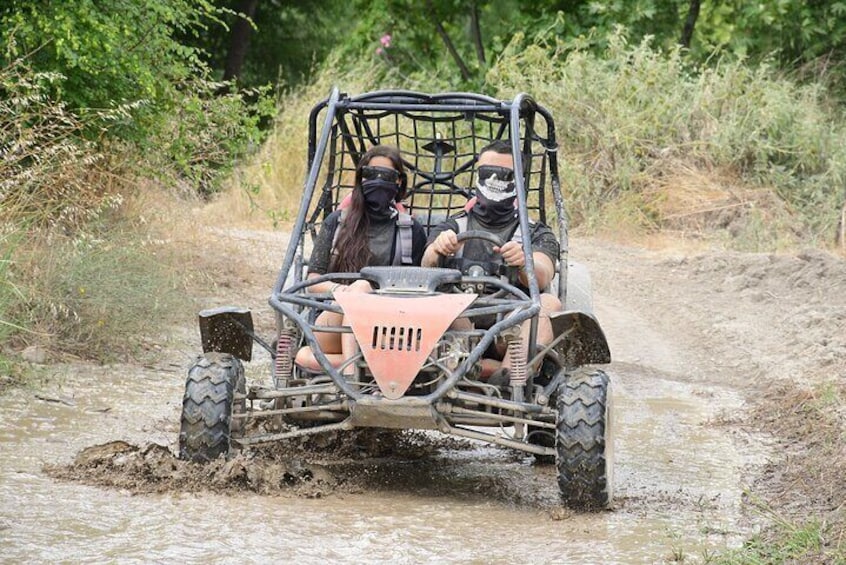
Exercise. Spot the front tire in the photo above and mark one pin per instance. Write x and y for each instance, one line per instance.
(583, 440)
(206, 425)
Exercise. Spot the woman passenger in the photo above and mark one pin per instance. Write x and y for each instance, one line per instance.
(363, 234)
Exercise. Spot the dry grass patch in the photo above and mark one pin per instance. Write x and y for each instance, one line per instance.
(806, 490)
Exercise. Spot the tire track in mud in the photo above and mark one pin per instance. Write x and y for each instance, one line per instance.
(769, 328)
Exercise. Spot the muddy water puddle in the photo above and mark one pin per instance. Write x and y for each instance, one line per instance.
(679, 472)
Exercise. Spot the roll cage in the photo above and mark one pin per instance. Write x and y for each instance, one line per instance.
(439, 138)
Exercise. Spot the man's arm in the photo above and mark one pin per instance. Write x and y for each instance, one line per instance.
(512, 254)
(544, 270)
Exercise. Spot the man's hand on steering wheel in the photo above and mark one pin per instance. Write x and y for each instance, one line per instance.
(512, 254)
(446, 243)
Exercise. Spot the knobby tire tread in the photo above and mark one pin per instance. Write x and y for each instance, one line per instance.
(207, 405)
(582, 460)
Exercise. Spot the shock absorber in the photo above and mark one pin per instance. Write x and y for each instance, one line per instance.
(284, 365)
(519, 373)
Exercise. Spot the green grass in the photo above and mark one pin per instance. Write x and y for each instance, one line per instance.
(802, 543)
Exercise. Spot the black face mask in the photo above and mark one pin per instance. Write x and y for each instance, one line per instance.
(494, 212)
(378, 196)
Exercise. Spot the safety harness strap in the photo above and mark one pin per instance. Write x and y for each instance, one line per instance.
(404, 243)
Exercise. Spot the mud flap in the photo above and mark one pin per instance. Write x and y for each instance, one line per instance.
(227, 330)
(585, 342)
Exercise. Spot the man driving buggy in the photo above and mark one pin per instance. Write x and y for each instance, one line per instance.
(494, 212)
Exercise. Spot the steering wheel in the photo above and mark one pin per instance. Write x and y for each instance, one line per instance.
(495, 267)
(480, 234)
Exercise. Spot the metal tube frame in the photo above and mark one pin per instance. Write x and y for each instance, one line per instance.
(291, 302)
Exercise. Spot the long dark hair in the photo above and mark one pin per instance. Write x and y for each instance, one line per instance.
(352, 249)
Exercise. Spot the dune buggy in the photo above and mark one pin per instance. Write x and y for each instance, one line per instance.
(413, 369)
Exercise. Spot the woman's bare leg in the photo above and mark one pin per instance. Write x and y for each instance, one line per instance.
(306, 359)
(349, 347)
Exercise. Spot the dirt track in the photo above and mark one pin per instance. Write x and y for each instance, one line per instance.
(697, 341)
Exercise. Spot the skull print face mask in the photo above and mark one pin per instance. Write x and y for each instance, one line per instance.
(495, 195)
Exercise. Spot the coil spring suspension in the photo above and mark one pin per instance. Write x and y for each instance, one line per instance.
(519, 371)
(284, 366)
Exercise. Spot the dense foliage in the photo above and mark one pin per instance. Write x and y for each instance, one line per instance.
(108, 52)
(458, 40)
(126, 71)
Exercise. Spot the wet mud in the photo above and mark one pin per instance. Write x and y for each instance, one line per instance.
(311, 468)
(69, 490)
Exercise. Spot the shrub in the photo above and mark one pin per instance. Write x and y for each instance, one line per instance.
(109, 52)
(206, 132)
(44, 159)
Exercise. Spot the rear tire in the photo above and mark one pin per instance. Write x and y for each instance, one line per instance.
(583, 440)
(206, 425)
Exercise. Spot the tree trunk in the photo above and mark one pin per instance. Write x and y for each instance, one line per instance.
(465, 72)
(689, 24)
(476, 32)
(239, 43)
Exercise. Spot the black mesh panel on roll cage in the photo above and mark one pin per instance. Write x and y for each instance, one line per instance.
(439, 138)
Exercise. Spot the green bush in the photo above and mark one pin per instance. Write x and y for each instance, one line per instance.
(121, 71)
(206, 132)
(109, 52)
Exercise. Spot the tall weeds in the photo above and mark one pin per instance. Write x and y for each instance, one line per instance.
(71, 275)
(44, 158)
(635, 122)
(105, 293)
(647, 141)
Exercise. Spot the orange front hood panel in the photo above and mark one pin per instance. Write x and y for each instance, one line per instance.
(397, 334)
